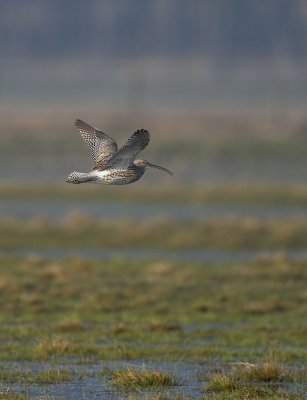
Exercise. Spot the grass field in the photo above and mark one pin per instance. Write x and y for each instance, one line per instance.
(76, 311)
(125, 326)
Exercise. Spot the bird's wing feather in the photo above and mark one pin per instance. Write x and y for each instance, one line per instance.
(125, 156)
(101, 145)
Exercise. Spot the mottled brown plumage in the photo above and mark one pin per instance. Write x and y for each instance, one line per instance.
(101, 145)
(113, 166)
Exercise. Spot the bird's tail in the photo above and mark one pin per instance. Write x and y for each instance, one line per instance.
(79, 177)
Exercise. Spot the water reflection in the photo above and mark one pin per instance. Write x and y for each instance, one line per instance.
(203, 255)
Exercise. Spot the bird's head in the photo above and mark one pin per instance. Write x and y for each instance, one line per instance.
(145, 164)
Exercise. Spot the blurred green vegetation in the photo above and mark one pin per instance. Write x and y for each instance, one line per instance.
(52, 309)
(81, 231)
(239, 193)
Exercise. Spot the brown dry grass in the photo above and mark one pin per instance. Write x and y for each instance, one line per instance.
(135, 379)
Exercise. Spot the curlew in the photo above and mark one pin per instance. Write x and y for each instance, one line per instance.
(113, 166)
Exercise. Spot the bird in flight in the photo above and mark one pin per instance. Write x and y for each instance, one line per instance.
(113, 166)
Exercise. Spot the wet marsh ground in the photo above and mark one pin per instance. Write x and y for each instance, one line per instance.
(76, 312)
(201, 293)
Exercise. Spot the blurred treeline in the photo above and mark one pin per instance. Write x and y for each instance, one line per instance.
(209, 28)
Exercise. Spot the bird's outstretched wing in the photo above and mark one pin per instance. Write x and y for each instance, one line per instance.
(125, 156)
(101, 145)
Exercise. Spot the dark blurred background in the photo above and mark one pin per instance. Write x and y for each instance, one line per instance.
(220, 84)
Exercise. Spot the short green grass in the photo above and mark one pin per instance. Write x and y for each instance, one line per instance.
(254, 392)
(49, 375)
(9, 394)
(117, 309)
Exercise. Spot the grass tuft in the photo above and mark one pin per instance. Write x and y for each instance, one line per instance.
(221, 382)
(46, 348)
(243, 373)
(264, 372)
(52, 376)
(133, 379)
(157, 396)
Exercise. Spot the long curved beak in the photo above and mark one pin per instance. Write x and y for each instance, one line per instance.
(158, 167)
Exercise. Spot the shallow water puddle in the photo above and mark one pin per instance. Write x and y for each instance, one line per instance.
(89, 382)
